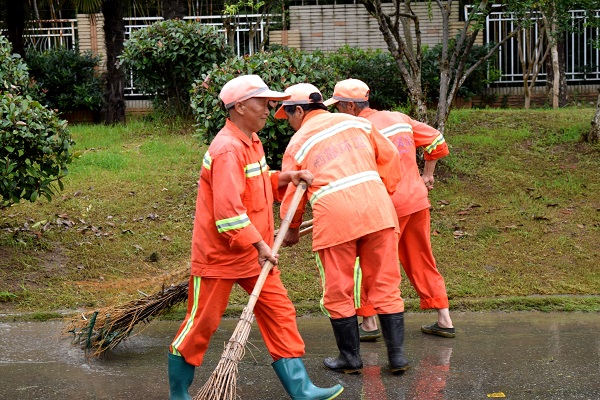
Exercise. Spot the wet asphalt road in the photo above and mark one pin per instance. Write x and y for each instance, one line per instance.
(524, 355)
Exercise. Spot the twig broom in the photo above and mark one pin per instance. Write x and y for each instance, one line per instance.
(102, 330)
(222, 384)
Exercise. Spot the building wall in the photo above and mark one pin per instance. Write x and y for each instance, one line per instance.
(90, 36)
(330, 27)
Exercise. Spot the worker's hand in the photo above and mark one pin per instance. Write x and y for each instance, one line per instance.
(428, 181)
(302, 175)
(265, 253)
(291, 237)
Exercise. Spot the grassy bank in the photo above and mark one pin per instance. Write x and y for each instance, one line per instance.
(515, 219)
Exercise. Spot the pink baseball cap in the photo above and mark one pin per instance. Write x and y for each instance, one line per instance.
(298, 94)
(245, 87)
(349, 90)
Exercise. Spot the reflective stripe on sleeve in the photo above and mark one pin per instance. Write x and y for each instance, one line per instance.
(344, 183)
(396, 128)
(327, 133)
(237, 222)
(438, 140)
(207, 161)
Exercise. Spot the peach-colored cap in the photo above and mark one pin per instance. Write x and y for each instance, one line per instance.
(349, 90)
(245, 87)
(299, 94)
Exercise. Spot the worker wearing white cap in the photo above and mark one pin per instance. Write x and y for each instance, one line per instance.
(232, 239)
(355, 170)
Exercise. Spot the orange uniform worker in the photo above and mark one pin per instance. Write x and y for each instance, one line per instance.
(355, 170)
(411, 201)
(232, 239)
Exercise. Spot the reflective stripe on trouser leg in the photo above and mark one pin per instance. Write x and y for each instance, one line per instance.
(378, 252)
(276, 317)
(338, 264)
(322, 275)
(207, 301)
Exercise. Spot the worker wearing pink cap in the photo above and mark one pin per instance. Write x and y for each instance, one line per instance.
(232, 239)
(351, 96)
(355, 170)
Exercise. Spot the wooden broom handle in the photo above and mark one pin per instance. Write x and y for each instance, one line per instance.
(283, 228)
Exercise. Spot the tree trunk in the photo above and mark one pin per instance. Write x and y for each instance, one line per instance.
(114, 32)
(593, 135)
(555, 75)
(562, 81)
(173, 9)
(15, 25)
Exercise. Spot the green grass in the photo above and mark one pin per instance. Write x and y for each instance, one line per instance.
(515, 219)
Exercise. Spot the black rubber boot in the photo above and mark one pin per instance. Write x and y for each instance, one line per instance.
(392, 327)
(347, 338)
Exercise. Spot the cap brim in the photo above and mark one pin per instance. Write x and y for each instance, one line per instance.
(329, 102)
(272, 95)
(280, 113)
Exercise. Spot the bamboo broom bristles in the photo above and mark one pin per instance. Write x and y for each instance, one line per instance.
(102, 330)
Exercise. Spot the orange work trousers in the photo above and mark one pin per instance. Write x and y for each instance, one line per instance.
(207, 300)
(380, 274)
(416, 257)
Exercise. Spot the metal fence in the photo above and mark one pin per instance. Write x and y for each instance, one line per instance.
(46, 34)
(582, 58)
(245, 43)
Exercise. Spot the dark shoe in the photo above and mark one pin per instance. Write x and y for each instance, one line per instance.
(392, 326)
(297, 384)
(347, 338)
(435, 329)
(181, 375)
(368, 336)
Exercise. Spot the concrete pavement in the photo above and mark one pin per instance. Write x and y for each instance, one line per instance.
(522, 355)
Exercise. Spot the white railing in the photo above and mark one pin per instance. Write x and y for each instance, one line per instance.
(244, 44)
(582, 58)
(46, 34)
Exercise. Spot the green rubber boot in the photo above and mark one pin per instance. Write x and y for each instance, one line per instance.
(297, 384)
(181, 375)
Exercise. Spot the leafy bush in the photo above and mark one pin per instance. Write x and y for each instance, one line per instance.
(377, 69)
(279, 68)
(475, 84)
(68, 79)
(35, 146)
(168, 56)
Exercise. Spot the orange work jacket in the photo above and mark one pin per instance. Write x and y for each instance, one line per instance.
(355, 169)
(234, 207)
(407, 135)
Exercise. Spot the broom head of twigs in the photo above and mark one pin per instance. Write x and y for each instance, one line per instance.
(222, 384)
(103, 329)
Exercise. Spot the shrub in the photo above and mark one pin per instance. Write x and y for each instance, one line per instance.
(35, 146)
(377, 69)
(279, 68)
(475, 84)
(68, 79)
(168, 56)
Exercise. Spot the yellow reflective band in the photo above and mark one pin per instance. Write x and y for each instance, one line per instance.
(396, 128)
(322, 274)
(206, 161)
(438, 140)
(344, 183)
(329, 132)
(190, 322)
(237, 222)
(255, 169)
(357, 283)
